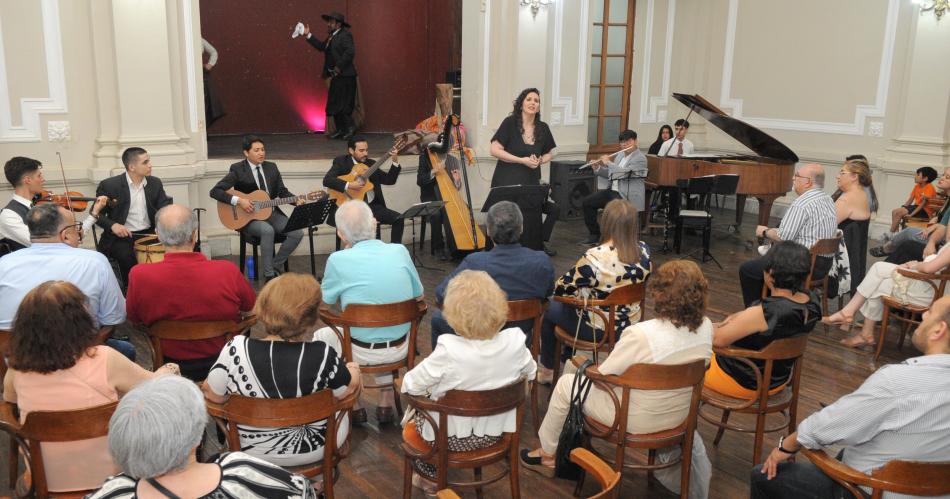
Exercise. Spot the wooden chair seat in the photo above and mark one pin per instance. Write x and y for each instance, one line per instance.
(909, 314)
(649, 440)
(416, 446)
(714, 398)
(925, 479)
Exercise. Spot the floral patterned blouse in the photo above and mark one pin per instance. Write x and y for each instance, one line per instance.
(597, 273)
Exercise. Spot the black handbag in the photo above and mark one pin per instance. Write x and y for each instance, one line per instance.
(572, 434)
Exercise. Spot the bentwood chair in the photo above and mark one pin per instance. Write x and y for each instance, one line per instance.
(645, 377)
(909, 314)
(900, 477)
(371, 316)
(784, 403)
(821, 247)
(606, 477)
(531, 309)
(191, 331)
(50, 426)
(624, 295)
(935, 204)
(282, 413)
(461, 403)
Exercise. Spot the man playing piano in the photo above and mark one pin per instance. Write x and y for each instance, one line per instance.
(679, 145)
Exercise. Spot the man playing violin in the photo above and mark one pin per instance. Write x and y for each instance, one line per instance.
(252, 174)
(26, 177)
(137, 197)
(342, 165)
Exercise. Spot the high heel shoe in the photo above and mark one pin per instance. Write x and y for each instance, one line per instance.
(857, 341)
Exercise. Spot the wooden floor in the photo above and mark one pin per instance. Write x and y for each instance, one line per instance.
(374, 468)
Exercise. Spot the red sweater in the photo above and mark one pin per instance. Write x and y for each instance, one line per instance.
(188, 287)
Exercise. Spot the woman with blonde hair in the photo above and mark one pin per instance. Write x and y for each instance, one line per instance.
(481, 357)
(288, 362)
(855, 202)
(620, 259)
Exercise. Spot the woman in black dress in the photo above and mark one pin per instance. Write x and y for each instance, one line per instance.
(522, 144)
(666, 133)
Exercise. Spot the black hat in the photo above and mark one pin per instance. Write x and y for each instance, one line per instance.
(337, 17)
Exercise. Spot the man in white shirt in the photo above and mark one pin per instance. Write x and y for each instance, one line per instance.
(26, 177)
(620, 176)
(679, 145)
(137, 197)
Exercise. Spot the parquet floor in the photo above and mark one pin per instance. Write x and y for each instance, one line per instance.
(374, 468)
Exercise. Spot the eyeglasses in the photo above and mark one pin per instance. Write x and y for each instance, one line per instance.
(77, 226)
(795, 175)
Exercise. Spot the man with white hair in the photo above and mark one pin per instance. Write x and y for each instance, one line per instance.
(186, 286)
(369, 271)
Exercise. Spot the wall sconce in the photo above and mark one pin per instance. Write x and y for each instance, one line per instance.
(536, 5)
(939, 7)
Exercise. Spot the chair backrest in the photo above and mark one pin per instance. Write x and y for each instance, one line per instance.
(821, 247)
(475, 403)
(608, 479)
(278, 413)
(4, 346)
(530, 309)
(193, 330)
(726, 184)
(375, 315)
(783, 349)
(624, 295)
(924, 479)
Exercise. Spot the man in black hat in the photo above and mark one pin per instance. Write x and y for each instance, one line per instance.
(338, 68)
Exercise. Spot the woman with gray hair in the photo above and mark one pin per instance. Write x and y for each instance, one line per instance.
(153, 435)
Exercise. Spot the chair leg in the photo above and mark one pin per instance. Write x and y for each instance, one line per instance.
(396, 400)
(651, 460)
(407, 479)
(478, 478)
(880, 339)
(536, 418)
(513, 472)
(759, 436)
(722, 427)
(677, 236)
(257, 264)
(14, 457)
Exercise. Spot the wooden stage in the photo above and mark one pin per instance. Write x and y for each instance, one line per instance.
(295, 146)
(374, 467)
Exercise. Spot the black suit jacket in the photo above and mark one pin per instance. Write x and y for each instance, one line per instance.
(342, 165)
(241, 178)
(117, 188)
(339, 53)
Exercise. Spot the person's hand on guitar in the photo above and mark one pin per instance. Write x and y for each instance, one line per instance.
(306, 31)
(394, 154)
(355, 185)
(120, 231)
(245, 205)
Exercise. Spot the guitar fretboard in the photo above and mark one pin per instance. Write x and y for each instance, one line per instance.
(279, 201)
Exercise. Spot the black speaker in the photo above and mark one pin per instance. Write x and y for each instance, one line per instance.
(569, 186)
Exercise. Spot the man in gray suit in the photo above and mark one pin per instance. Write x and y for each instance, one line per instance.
(620, 176)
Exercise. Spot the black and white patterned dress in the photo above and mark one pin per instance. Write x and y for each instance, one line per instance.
(280, 370)
(242, 477)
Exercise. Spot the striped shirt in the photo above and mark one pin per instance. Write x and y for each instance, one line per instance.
(902, 411)
(812, 216)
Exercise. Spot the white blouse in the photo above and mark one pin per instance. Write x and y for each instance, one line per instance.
(459, 363)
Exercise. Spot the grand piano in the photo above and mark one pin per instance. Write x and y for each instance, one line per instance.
(766, 175)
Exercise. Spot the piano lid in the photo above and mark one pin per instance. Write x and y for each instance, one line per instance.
(760, 142)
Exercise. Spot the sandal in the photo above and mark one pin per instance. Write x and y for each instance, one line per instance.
(857, 341)
(842, 319)
(535, 464)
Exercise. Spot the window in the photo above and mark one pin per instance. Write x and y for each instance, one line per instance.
(610, 67)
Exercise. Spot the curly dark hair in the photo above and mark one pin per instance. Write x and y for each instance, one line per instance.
(789, 264)
(679, 292)
(52, 329)
(516, 112)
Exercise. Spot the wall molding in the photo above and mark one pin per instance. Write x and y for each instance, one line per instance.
(32, 107)
(486, 43)
(861, 112)
(648, 104)
(573, 112)
(192, 75)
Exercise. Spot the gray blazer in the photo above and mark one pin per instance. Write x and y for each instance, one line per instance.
(633, 163)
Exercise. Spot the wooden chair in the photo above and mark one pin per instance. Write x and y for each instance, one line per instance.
(193, 330)
(447, 494)
(282, 413)
(646, 377)
(466, 404)
(50, 426)
(821, 247)
(522, 310)
(784, 402)
(4, 346)
(608, 479)
(390, 314)
(935, 204)
(909, 314)
(624, 295)
(900, 477)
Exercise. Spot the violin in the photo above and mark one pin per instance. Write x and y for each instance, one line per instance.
(70, 200)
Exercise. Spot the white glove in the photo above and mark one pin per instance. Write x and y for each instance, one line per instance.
(298, 30)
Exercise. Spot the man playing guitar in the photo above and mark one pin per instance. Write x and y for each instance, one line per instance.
(249, 175)
(342, 165)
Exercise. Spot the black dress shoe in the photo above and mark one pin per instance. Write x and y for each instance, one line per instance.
(359, 416)
(548, 250)
(335, 135)
(443, 255)
(385, 415)
(350, 132)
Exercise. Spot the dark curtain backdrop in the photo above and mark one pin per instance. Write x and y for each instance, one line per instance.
(270, 83)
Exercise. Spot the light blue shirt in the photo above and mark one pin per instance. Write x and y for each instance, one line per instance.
(23, 270)
(371, 272)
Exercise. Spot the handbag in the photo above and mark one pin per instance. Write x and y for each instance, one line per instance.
(572, 434)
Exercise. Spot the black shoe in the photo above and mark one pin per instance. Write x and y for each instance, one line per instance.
(878, 252)
(548, 250)
(335, 135)
(350, 132)
(443, 255)
(359, 416)
(591, 240)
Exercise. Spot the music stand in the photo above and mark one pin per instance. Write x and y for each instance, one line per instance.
(412, 213)
(309, 216)
(530, 199)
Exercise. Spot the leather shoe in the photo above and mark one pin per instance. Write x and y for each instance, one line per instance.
(548, 250)
(350, 132)
(384, 415)
(442, 254)
(359, 416)
(335, 135)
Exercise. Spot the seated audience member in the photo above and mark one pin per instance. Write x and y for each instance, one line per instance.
(55, 365)
(679, 334)
(915, 243)
(902, 411)
(55, 255)
(153, 437)
(167, 291)
(370, 271)
(882, 280)
(916, 204)
(855, 202)
(522, 273)
(665, 133)
(789, 311)
(26, 177)
(812, 216)
(287, 363)
(482, 356)
(619, 260)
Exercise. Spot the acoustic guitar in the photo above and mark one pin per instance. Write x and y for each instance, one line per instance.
(364, 172)
(235, 218)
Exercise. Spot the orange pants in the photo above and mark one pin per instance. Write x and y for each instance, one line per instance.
(716, 379)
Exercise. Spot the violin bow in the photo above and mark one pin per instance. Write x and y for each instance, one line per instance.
(69, 203)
